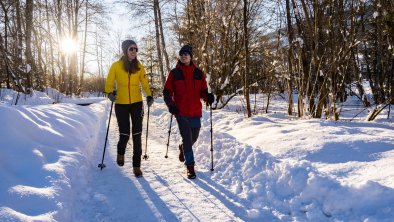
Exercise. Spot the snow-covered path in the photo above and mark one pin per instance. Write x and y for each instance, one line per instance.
(162, 194)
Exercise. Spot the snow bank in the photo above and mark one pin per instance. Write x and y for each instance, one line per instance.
(43, 161)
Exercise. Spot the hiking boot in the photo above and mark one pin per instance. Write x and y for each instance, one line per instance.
(190, 172)
(137, 172)
(120, 160)
(181, 156)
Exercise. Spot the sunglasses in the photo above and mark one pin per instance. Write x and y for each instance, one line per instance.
(184, 54)
(131, 49)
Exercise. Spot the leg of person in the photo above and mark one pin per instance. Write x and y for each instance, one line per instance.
(185, 131)
(181, 154)
(195, 133)
(137, 115)
(195, 124)
(122, 116)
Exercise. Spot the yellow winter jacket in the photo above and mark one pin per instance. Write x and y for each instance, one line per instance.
(128, 85)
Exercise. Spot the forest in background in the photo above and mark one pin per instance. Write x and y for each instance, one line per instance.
(315, 48)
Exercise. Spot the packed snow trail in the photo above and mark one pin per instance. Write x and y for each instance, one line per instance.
(163, 193)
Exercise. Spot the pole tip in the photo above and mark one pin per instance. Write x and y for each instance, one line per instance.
(101, 166)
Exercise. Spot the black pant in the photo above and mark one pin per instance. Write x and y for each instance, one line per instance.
(123, 113)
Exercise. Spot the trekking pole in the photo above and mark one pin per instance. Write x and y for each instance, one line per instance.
(211, 140)
(102, 165)
(146, 139)
(168, 141)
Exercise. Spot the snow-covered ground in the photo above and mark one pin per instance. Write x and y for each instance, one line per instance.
(266, 168)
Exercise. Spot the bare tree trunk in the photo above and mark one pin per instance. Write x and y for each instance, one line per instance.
(247, 55)
(269, 94)
(69, 56)
(99, 59)
(72, 14)
(53, 78)
(84, 47)
(62, 61)
(391, 80)
(5, 48)
(19, 49)
(163, 42)
(17, 81)
(29, 55)
(290, 61)
(156, 7)
(377, 111)
(39, 75)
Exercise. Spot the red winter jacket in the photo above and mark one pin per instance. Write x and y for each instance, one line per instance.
(184, 88)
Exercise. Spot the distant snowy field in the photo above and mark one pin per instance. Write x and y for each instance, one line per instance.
(267, 168)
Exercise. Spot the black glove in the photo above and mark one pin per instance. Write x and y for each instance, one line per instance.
(173, 110)
(149, 100)
(210, 98)
(112, 96)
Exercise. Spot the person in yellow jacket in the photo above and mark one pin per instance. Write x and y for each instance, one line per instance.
(129, 75)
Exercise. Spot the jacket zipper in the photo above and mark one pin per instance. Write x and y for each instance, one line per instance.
(194, 81)
(189, 96)
(129, 90)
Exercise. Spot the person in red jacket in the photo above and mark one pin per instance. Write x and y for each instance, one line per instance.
(184, 88)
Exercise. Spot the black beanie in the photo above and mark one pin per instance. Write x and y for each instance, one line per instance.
(186, 48)
(126, 44)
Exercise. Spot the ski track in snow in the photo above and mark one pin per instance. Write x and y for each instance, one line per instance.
(163, 194)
